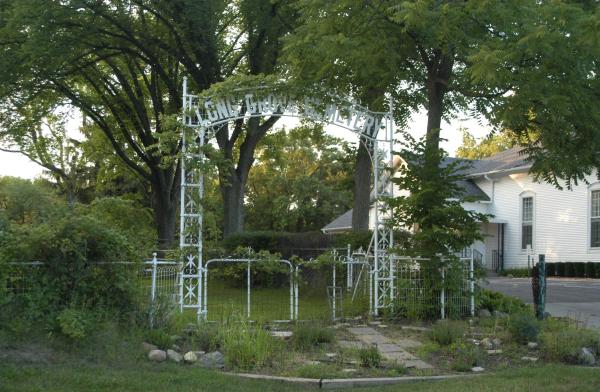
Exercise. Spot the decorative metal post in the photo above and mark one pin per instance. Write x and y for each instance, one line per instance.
(541, 308)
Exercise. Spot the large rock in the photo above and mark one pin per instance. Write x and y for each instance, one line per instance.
(587, 357)
(214, 360)
(532, 345)
(147, 347)
(174, 356)
(484, 313)
(157, 355)
(190, 357)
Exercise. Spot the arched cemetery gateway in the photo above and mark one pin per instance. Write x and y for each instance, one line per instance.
(204, 117)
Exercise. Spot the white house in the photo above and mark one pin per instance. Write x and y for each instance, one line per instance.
(528, 217)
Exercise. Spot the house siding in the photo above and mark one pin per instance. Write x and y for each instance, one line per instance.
(560, 220)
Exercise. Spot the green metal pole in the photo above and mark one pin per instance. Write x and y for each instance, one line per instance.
(542, 292)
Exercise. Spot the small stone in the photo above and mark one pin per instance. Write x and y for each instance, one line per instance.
(190, 357)
(499, 314)
(374, 323)
(497, 342)
(532, 345)
(477, 369)
(282, 334)
(331, 356)
(214, 360)
(175, 347)
(199, 353)
(587, 357)
(174, 356)
(486, 343)
(349, 370)
(382, 326)
(494, 352)
(157, 355)
(529, 359)
(476, 342)
(311, 363)
(147, 347)
(484, 313)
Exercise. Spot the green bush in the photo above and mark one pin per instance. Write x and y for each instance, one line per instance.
(569, 269)
(579, 270)
(369, 356)
(495, 301)
(589, 270)
(550, 269)
(562, 340)
(160, 338)
(74, 323)
(309, 335)
(560, 269)
(446, 332)
(515, 272)
(524, 327)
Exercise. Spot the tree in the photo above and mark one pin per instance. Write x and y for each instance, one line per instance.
(525, 65)
(121, 64)
(301, 181)
(488, 146)
(431, 207)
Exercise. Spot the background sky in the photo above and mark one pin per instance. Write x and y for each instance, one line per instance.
(18, 165)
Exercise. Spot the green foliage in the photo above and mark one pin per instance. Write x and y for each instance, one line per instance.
(310, 334)
(496, 301)
(160, 338)
(524, 327)
(490, 145)
(447, 332)
(74, 323)
(432, 204)
(302, 180)
(356, 239)
(247, 346)
(369, 356)
(204, 336)
(515, 272)
(287, 244)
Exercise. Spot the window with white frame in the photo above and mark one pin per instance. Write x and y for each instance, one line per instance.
(527, 222)
(595, 219)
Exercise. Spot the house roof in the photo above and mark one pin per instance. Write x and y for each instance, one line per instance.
(513, 159)
(341, 223)
(510, 160)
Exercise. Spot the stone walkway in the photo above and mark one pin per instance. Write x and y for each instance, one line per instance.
(389, 349)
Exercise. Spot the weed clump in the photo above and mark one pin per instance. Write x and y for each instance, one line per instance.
(309, 335)
(524, 327)
(369, 356)
(446, 332)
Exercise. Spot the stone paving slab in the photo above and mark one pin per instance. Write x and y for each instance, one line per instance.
(350, 344)
(363, 331)
(390, 350)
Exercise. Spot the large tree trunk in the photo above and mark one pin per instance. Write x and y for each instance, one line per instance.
(165, 204)
(362, 188)
(233, 204)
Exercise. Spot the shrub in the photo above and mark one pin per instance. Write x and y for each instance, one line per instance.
(524, 327)
(369, 356)
(550, 269)
(589, 270)
(579, 270)
(569, 269)
(308, 335)
(495, 301)
(446, 332)
(205, 337)
(160, 338)
(560, 269)
(516, 272)
(74, 323)
(561, 341)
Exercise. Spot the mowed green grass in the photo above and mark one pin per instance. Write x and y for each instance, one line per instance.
(169, 377)
(274, 303)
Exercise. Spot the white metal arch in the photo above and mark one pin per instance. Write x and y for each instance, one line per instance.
(203, 118)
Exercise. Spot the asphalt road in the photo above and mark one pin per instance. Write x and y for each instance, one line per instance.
(575, 298)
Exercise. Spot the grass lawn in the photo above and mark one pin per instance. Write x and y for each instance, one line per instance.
(169, 377)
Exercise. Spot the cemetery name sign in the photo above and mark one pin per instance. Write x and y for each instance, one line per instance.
(216, 111)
